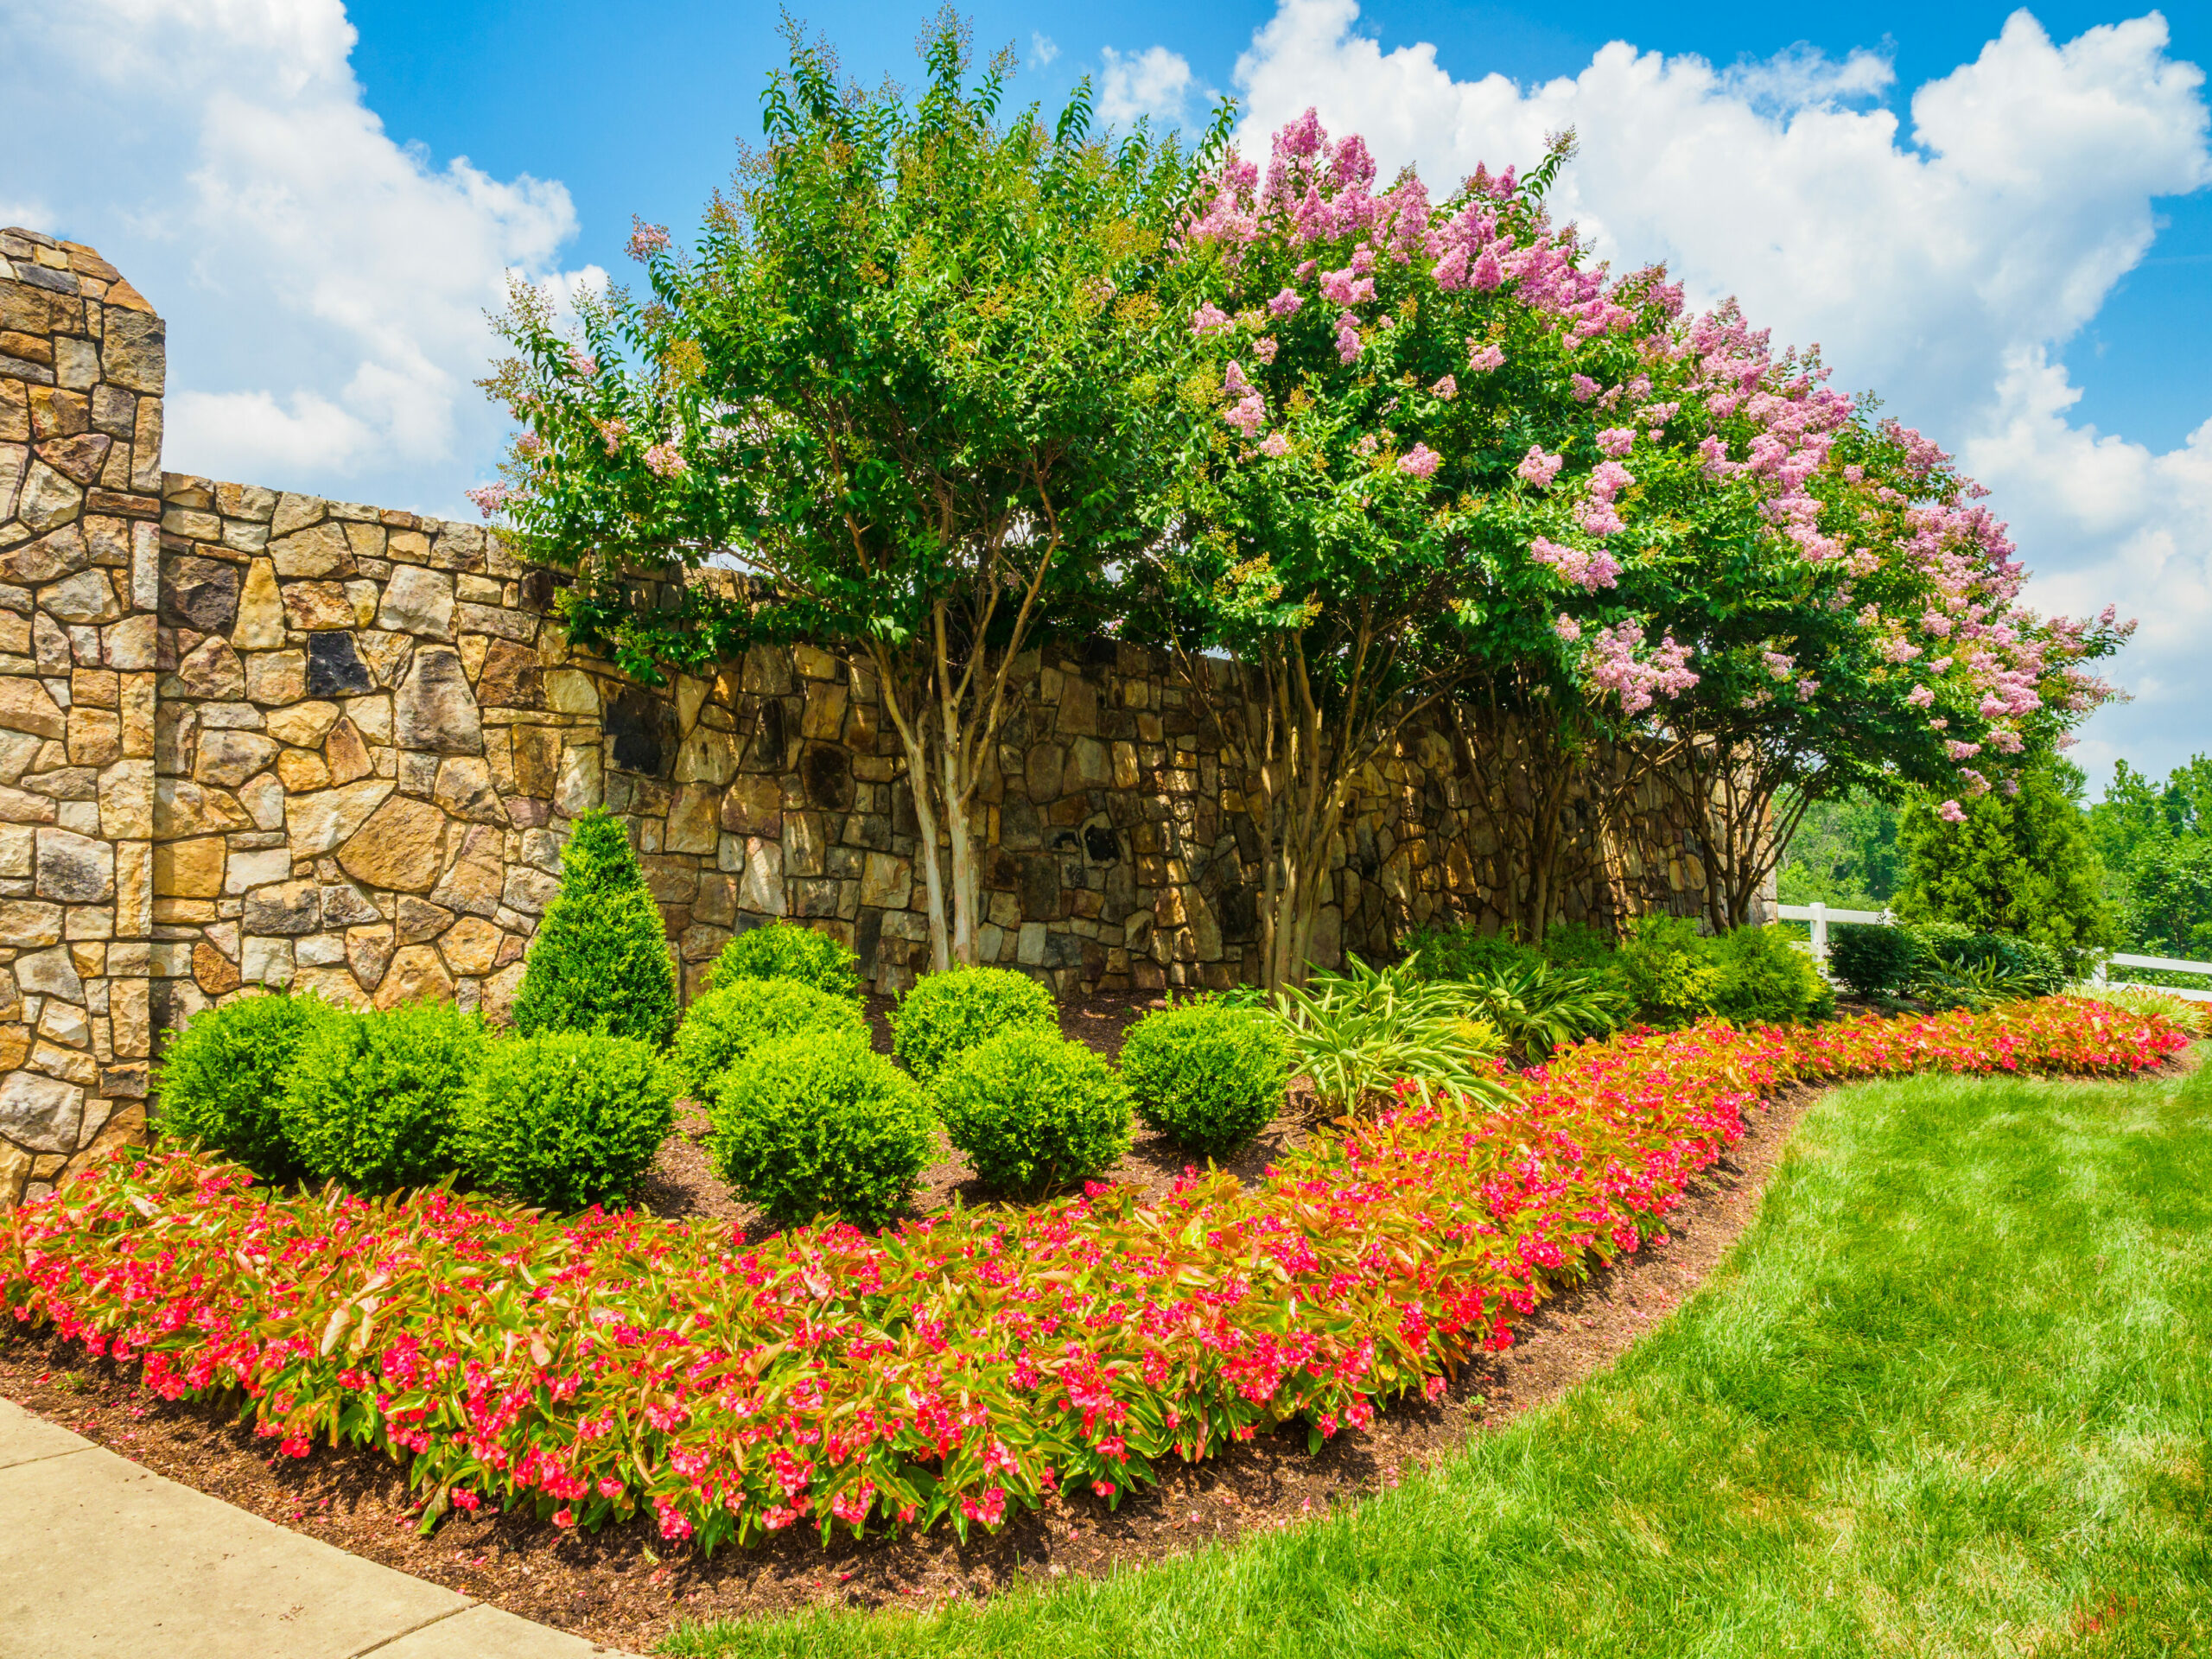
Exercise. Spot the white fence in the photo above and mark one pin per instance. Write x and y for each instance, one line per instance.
(1819, 916)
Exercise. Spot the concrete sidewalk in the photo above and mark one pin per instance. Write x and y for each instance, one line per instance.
(100, 1559)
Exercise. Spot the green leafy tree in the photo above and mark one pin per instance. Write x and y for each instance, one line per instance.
(600, 961)
(2009, 863)
(917, 379)
(2168, 900)
(1844, 853)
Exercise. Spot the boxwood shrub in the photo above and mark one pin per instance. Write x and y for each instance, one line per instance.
(1033, 1110)
(1765, 980)
(371, 1097)
(820, 1123)
(947, 1013)
(788, 951)
(1208, 1076)
(224, 1079)
(729, 1022)
(566, 1119)
(1871, 960)
(600, 961)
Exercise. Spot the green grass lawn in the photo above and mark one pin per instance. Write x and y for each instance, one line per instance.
(1949, 1395)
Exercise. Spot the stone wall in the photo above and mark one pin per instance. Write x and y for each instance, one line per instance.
(257, 738)
(81, 368)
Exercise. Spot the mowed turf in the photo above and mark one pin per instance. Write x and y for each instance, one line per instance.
(1949, 1394)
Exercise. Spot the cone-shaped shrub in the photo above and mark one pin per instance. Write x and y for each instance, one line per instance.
(600, 961)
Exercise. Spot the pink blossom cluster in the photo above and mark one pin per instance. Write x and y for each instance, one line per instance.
(1615, 666)
(1588, 569)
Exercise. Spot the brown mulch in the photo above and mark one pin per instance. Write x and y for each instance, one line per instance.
(622, 1585)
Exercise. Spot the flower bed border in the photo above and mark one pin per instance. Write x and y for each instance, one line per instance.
(602, 1365)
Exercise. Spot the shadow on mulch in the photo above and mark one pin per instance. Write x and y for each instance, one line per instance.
(623, 1586)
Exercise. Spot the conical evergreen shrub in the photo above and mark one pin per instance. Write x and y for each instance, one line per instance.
(600, 960)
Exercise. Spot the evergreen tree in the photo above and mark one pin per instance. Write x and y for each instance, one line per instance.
(2019, 864)
(600, 960)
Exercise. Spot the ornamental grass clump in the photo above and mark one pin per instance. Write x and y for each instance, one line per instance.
(223, 1080)
(788, 951)
(820, 1124)
(604, 1367)
(600, 961)
(1208, 1076)
(1033, 1112)
(1358, 1035)
(947, 1013)
(727, 1023)
(371, 1098)
(566, 1119)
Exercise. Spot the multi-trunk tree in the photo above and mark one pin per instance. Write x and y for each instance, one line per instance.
(913, 380)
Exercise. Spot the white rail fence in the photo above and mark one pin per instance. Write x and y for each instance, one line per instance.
(1820, 915)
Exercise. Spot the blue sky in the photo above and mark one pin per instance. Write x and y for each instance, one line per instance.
(2001, 223)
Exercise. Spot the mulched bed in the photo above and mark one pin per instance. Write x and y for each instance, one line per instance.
(624, 1586)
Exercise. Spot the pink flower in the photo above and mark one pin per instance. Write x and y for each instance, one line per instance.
(1807, 688)
(1348, 345)
(1585, 388)
(1420, 462)
(1951, 812)
(1567, 628)
(1286, 303)
(1588, 571)
(1209, 319)
(1233, 381)
(582, 363)
(1538, 469)
(665, 461)
(1447, 389)
(1484, 360)
(489, 498)
(1921, 695)
(1616, 440)
(1248, 415)
(1275, 444)
(1264, 348)
(1487, 273)
(646, 240)
(1599, 517)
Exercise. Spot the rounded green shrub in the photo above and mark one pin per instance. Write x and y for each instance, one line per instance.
(1668, 970)
(1765, 980)
(1871, 960)
(1208, 1076)
(947, 1013)
(788, 951)
(820, 1123)
(372, 1098)
(224, 1079)
(600, 960)
(1462, 952)
(566, 1119)
(727, 1023)
(1033, 1111)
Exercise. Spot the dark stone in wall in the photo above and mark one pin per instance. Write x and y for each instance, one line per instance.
(1100, 844)
(827, 770)
(1040, 890)
(199, 594)
(640, 726)
(335, 668)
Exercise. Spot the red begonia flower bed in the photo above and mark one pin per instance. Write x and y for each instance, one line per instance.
(601, 1365)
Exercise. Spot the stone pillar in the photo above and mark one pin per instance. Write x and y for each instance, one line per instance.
(81, 366)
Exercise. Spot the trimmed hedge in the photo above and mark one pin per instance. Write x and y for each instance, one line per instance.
(566, 1119)
(222, 1081)
(944, 1014)
(788, 951)
(1033, 1111)
(729, 1022)
(371, 1099)
(1209, 1076)
(821, 1124)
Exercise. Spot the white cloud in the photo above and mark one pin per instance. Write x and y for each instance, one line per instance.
(1943, 271)
(1043, 48)
(1155, 83)
(326, 287)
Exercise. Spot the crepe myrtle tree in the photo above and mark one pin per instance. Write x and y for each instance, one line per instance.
(917, 380)
(1869, 636)
(1412, 463)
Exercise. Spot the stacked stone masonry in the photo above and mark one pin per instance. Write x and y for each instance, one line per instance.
(252, 738)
